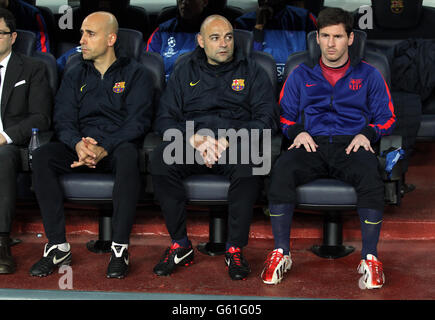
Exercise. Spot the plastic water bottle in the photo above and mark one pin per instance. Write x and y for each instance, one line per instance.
(34, 144)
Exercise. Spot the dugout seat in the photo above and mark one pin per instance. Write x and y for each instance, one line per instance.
(96, 188)
(334, 197)
(212, 190)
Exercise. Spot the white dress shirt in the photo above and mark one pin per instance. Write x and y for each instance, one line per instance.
(4, 63)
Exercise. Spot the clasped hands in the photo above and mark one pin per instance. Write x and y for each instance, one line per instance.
(209, 148)
(89, 153)
(304, 139)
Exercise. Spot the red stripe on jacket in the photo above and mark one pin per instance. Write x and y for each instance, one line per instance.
(42, 34)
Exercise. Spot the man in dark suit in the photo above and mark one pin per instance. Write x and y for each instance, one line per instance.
(26, 102)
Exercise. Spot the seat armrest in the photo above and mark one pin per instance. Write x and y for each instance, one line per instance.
(277, 143)
(151, 141)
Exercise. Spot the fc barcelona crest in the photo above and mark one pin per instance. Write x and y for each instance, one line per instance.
(119, 87)
(397, 6)
(238, 84)
(355, 84)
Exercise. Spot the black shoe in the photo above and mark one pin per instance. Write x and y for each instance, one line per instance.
(238, 267)
(7, 264)
(174, 255)
(119, 262)
(52, 258)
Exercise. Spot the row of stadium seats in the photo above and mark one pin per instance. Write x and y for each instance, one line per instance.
(329, 195)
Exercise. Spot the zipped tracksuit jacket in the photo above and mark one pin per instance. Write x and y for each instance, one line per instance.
(112, 109)
(360, 102)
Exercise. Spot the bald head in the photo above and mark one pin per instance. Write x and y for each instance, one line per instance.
(105, 20)
(217, 40)
(99, 34)
(212, 19)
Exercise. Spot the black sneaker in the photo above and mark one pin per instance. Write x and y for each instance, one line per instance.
(52, 258)
(238, 267)
(174, 255)
(119, 262)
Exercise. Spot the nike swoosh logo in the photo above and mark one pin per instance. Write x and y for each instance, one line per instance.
(56, 261)
(368, 222)
(81, 89)
(194, 84)
(309, 85)
(177, 260)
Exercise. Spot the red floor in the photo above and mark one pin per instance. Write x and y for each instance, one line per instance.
(410, 273)
(407, 249)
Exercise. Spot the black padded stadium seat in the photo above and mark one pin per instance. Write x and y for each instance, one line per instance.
(314, 6)
(128, 16)
(129, 44)
(96, 188)
(26, 44)
(394, 22)
(331, 196)
(212, 190)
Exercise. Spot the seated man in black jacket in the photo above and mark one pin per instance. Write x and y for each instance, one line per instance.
(216, 89)
(102, 110)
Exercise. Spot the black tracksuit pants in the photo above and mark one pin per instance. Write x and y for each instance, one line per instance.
(297, 166)
(54, 159)
(170, 192)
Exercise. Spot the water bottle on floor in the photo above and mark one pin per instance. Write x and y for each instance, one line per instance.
(34, 144)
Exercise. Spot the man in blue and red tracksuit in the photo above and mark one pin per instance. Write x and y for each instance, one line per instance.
(29, 18)
(178, 35)
(278, 29)
(332, 110)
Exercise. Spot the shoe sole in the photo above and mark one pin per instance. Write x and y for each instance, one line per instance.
(116, 277)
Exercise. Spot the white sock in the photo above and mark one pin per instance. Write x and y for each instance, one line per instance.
(65, 247)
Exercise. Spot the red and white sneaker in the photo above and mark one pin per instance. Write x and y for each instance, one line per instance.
(275, 266)
(372, 273)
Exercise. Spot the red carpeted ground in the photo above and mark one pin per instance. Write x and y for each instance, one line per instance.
(407, 249)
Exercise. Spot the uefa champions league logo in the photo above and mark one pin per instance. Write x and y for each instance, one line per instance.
(171, 44)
